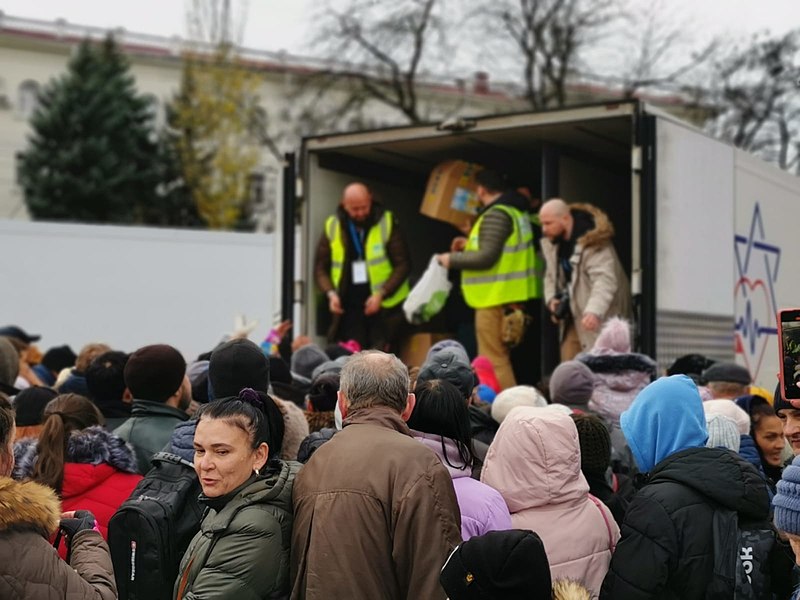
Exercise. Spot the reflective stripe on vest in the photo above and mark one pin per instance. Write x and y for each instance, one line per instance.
(379, 268)
(513, 277)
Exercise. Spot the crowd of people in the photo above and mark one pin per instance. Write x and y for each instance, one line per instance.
(341, 473)
(338, 471)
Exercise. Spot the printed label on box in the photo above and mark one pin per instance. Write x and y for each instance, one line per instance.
(463, 200)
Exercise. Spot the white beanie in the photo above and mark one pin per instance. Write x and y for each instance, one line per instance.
(722, 432)
(731, 410)
(519, 395)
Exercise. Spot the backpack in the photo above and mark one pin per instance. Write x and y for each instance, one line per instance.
(151, 530)
(742, 558)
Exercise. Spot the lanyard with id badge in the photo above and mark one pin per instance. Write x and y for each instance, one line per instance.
(359, 266)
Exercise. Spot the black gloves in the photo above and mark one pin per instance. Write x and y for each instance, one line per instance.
(82, 520)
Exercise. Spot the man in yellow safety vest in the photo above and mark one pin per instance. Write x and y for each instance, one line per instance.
(362, 265)
(497, 261)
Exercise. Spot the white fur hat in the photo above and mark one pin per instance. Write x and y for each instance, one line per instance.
(519, 395)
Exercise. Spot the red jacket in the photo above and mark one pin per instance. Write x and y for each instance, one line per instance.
(99, 473)
(98, 488)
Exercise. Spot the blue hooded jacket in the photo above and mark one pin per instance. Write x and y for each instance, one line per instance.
(666, 417)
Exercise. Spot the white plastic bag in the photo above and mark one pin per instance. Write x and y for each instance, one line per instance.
(429, 295)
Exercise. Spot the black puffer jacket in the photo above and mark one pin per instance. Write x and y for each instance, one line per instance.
(667, 547)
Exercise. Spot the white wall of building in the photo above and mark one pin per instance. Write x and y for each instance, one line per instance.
(37, 51)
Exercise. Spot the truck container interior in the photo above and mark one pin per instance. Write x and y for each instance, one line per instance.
(587, 154)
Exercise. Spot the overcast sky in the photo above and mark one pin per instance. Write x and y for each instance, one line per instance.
(283, 24)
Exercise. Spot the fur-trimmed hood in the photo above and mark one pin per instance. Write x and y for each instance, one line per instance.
(603, 230)
(566, 589)
(617, 363)
(28, 506)
(93, 445)
(295, 428)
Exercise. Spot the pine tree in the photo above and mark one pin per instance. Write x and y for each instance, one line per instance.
(92, 155)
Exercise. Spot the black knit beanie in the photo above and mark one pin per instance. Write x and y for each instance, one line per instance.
(30, 403)
(595, 442)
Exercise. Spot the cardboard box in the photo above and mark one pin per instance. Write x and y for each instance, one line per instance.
(415, 348)
(450, 195)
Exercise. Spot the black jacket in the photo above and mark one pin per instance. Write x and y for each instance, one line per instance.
(667, 549)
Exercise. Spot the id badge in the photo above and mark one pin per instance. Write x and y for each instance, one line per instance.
(359, 271)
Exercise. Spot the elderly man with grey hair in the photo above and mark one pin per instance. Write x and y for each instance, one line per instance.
(375, 511)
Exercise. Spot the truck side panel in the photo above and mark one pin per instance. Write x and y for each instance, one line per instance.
(694, 262)
(765, 244)
(132, 286)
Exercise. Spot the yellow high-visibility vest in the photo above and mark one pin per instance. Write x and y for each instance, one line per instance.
(379, 269)
(513, 277)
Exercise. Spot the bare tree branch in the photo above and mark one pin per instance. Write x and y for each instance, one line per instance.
(756, 100)
(382, 45)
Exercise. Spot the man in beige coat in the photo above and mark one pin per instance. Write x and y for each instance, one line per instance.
(581, 264)
(376, 515)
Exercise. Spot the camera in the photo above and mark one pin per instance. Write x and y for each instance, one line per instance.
(562, 310)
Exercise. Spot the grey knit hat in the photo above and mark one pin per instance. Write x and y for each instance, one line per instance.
(727, 372)
(723, 432)
(787, 500)
(572, 383)
(453, 345)
(306, 359)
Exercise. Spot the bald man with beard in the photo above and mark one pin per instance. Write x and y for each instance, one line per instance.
(582, 268)
(362, 265)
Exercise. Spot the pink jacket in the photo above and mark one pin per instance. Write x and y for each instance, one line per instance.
(535, 463)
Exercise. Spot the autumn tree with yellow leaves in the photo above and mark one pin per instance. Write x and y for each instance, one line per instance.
(213, 121)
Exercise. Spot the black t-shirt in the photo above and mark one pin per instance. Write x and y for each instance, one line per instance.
(583, 222)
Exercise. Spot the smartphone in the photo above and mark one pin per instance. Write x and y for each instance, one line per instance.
(789, 339)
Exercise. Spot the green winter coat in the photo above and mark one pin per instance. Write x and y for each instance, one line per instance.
(149, 429)
(242, 551)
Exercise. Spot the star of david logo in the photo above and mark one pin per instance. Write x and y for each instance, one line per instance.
(757, 264)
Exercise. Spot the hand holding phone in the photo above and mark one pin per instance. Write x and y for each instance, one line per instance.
(789, 339)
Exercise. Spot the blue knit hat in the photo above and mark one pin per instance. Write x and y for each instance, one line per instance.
(787, 500)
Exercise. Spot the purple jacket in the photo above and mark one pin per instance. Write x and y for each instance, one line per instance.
(482, 507)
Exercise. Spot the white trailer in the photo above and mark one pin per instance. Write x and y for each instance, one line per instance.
(132, 286)
(701, 226)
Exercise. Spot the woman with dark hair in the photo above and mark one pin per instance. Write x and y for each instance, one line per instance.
(88, 467)
(766, 430)
(321, 402)
(441, 421)
(242, 548)
(29, 565)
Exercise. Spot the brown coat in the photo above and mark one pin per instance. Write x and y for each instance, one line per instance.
(30, 566)
(599, 284)
(376, 515)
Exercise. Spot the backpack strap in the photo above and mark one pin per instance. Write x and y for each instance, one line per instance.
(724, 534)
(170, 458)
(600, 507)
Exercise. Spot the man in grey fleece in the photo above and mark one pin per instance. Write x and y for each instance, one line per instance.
(497, 261)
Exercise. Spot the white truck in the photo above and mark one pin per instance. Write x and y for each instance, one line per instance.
(701, 226)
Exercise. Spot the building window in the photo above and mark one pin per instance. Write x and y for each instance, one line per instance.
(27, 98)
